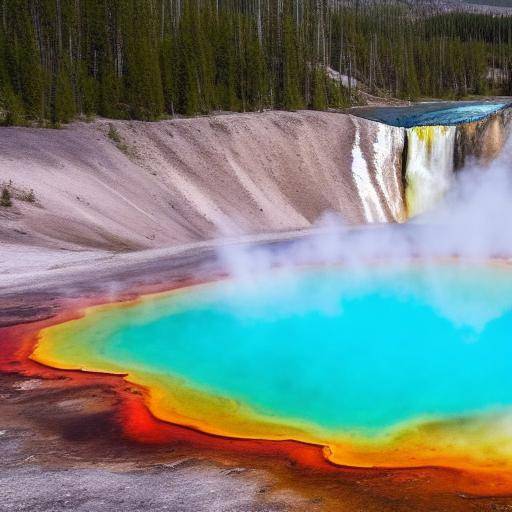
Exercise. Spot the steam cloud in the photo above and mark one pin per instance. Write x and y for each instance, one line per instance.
(473, 222)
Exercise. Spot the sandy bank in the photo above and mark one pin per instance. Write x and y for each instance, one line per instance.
(174, 182)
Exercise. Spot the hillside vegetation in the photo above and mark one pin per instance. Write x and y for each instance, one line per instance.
(144, 59)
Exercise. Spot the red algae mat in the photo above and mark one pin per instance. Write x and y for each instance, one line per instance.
(140, 424)
(137, 422)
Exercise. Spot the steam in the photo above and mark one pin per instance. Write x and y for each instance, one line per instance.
(472, 223)
(474, 220)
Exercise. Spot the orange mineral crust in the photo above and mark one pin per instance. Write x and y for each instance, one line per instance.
(137, 422)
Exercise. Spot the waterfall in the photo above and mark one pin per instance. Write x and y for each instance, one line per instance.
(370, 200)
(430, 166)
(388, 149)
(394, 185)
(377, 171)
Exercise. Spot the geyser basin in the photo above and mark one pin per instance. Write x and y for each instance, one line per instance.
(402, 366)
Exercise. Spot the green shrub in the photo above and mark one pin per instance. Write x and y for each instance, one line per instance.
(5, 198)
(12, 108)
(113, 134)
(28, 197)
(119, 142)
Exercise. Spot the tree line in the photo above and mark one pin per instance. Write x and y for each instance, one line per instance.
(146, 59)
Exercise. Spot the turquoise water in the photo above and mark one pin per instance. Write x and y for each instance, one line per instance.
(353, 352)
(434, 113)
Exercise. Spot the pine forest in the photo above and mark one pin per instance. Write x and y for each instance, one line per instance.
(150, 59)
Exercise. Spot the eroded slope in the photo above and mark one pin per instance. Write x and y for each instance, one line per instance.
(172, 182)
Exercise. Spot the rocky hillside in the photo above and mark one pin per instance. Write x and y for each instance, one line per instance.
(128, 185)
(122, 185)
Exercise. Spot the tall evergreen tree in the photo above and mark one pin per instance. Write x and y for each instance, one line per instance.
(64, 102)
(319, 95)
(142, 77)
(292, 98)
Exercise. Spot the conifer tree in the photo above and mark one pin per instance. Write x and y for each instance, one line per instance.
(169, 69)
(26, 73)
(142, 79)
(256, 73)
(227, 77)
(64, 100)
(188, 95)
(319, 96)
(292, 99)
(11, 105)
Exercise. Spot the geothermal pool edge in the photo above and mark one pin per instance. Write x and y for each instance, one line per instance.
(143, 427)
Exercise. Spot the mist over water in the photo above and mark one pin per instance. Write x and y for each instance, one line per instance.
(471, 223)
(472, 220)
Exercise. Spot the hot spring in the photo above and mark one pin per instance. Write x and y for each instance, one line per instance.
(404, 365)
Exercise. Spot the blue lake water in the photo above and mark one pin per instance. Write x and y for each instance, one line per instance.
(432, 113)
